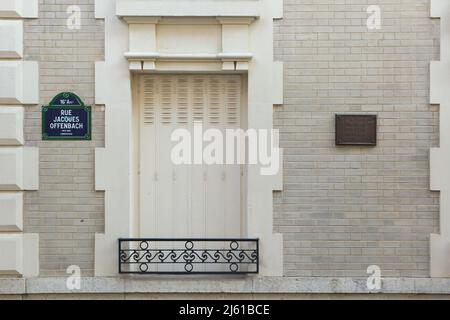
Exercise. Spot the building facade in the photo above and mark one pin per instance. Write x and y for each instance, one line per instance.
(331, 218)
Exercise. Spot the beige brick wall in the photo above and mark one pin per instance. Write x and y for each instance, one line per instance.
(66, 211)
(343, 209)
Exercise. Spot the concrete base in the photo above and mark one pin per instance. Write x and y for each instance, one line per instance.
(191, 287)
(196, 297)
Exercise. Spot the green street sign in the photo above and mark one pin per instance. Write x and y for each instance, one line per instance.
(66, 118)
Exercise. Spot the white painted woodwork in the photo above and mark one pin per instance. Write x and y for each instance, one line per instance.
(187, 200)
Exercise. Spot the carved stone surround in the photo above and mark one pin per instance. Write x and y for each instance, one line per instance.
(209, 36)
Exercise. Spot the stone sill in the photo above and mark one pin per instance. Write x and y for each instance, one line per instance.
(250, 285)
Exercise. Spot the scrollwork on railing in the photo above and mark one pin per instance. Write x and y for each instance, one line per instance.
(188, 256)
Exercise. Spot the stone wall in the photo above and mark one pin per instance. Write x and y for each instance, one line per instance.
(66, 211)
(342, 209)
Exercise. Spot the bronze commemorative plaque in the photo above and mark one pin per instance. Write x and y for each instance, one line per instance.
(356, 129)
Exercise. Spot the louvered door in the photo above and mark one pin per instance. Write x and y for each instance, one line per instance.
(187, 200)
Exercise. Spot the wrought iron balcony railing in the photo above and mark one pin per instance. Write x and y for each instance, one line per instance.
(188, 256)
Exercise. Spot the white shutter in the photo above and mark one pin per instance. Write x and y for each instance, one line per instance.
(187, 200)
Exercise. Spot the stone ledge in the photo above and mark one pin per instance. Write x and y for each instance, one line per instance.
(257, 285)
(12, 286)
(185, 8)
